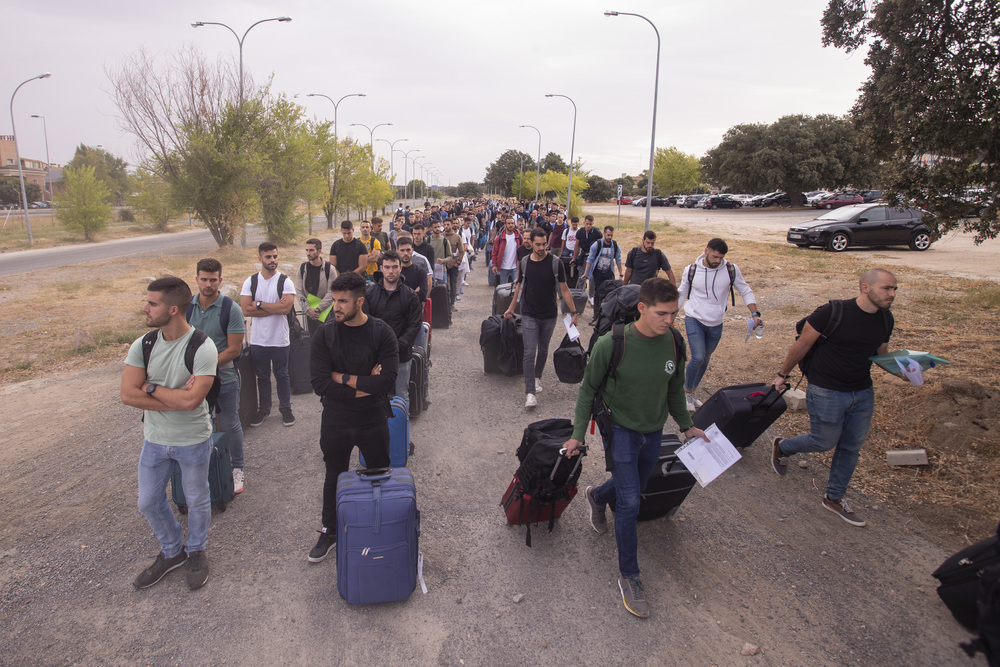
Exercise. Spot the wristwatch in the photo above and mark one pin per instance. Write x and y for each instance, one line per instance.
(345, 378)
(685, 430)
(150, 388)
(258, 305)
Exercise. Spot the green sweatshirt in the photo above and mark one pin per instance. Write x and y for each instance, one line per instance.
(647, 388)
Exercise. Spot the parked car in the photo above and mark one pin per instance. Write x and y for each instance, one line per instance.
(757, 199)
(692, 200)
(639, 201)
(870, 195)
(813, 197)
(864, 225)
(721, 201)
(775, 199)
(625, 200)
(661, 201)
(679, 202)
(838, 199)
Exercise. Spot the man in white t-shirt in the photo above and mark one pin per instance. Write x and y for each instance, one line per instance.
(268, 297)
(505, 252)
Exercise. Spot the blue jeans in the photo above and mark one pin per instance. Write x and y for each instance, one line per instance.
(403, 380)
(536, 334)
(635, 456)
(229, 416)
(507, 276)
(156, 462)
(702, 341)
(264, 358)
(837, 419)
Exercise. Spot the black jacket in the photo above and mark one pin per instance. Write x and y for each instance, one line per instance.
(400, 309)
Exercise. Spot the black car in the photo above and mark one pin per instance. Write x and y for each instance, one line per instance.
(661, 201)
(864, 225)
(691, 200)
(721, 201)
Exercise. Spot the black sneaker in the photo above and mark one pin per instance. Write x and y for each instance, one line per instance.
(778, 460)
(197, 570)
(843, 510)
(327, 541)
(287, 418)
(258, 417)
(633, 597)
(158, 569)
(598, 513)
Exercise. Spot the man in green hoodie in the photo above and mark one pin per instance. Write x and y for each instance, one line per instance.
(647, 387)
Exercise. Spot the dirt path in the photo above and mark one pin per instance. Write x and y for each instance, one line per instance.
(752, 558)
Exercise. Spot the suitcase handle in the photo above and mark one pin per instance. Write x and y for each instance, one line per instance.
(562, 455)
(380, 473)
(764, 394)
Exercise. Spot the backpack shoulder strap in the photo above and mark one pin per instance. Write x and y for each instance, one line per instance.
(326, 267)
(281, 284)
(196, 341)
(617, 347)
(147, 346)
(836, 314)
(225, 308)
(190, 309)
(680, 351)
(555, 269)
(732, 279)
(691, 270)
(253, 286)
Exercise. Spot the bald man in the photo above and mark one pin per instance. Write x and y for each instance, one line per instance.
(840, 398)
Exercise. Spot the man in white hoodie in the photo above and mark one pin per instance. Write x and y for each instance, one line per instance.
(706, 287)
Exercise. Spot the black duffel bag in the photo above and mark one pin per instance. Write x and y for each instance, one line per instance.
(570, 361)
(489, 342)
(511, 358)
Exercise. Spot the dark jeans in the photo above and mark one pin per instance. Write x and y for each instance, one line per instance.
(536, 335)
(264, 359)
(336, 443)
(313, 324)
(453, 283)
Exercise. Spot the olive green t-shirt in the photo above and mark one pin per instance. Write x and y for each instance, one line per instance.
(175, 428)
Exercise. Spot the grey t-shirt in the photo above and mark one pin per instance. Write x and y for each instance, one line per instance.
(210, 321)
(175, 428)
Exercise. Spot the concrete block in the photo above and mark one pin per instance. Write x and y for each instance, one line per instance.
(795, 399)
(906, 457)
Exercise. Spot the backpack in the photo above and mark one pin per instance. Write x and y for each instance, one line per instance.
(302, 275)
(196, 341)
(295, 330)
(620, 305)
(836, 314)
(730, 269)
(224, 309)
(555, 274)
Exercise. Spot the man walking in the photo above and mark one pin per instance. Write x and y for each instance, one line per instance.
(541, 277)
(176, 427)
(706, 288)
(268, 296)
(454, 261)
(840, 398)
(585, 238)
(392, 301)
(602, 259)
(354, 363)
(312, 284)
(348, 253)
(644, 261)
(504, 254)
(415, 268)
(645, 389)
(222, 320)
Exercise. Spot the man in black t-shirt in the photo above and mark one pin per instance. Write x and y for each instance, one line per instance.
(645, 261)
(349, 254)
(354, 361)
(840, 398)
(541, 277)
(585, 238)
(421, 245)
(524, 249)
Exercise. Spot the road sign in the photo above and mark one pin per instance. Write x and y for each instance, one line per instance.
(619, 190)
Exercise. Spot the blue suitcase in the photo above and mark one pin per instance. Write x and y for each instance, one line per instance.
(378, 530)
(400, 446)
(220, 476)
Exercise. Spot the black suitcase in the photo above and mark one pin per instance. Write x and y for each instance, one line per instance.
(961, 577)
(579, 300)
(668, 486)
(489, 342)
(248, 387)
(418, 367)
(299, 373)
(502, 296)
(440, 305)
(742, 412)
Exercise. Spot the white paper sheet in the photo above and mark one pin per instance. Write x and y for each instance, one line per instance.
(571, 330)
(708, 460)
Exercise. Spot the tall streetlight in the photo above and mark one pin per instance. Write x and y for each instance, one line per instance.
(336, 105)
(371, 137)
(46, 131)
(17, 156)
(405, 156)
(423, 181)
(198, 24)
(419, 157)
(538, 164)
(392, 169)
(656, 91)
(572, 146)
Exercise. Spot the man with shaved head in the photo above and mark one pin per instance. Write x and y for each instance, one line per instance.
(840, 399)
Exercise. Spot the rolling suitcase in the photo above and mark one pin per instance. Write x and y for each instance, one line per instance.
(400, 446)
(248, 387)
(220, 477)
(579, 300)
(418, 367)
(668, 486)
(742, 412)
(510, 359)
(489, 342)
(502, 296)
(962, 578)
(299, 373)
(440, 305)
(378, 532)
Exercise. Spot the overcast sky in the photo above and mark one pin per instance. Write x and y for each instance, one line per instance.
(455, 77)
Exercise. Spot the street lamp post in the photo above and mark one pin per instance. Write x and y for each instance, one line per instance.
(17, 156)
(198, 24)
(656, 91)
(336, 128)
(45, 130)
(371, 137)
(405, 156)
(392, 151)
(414, 174)
(419, 157)
(572, 146)
(538, 165)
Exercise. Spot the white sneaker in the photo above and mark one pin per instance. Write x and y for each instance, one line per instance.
(697, 403)
(464, 283)
(591, 300)
(690, 404)
(530, 401)
(237, 480)
(538, 386)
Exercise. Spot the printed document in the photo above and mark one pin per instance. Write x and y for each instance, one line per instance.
(708, 460)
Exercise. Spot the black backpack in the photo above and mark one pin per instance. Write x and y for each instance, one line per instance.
(196, 341)
(730, 269)
(570, 361)
(619, 306)
(836, 315)
(295, 330)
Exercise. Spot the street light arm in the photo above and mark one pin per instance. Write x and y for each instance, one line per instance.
(198, 24)
(283, 19)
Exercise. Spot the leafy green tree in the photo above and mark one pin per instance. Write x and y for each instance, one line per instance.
(153, 200)
(795, 153)
(83, 206)
(628, 185)
(554, 162)
(675, 172)
(108, 168)
(10, 191)
(501, 175)
(930, 106)
(468, 190)
(289, 161)
(415, 187)
(599, 189)
(553, 184)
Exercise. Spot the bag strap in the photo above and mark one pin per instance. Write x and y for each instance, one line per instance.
(197, 340)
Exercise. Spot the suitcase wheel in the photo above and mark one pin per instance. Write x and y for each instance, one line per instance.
(411, 448)
(183, 509)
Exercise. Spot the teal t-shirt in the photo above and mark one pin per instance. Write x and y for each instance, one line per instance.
(175, 428)
(210, 321)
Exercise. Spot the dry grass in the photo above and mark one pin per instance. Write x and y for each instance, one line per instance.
(46, 231)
